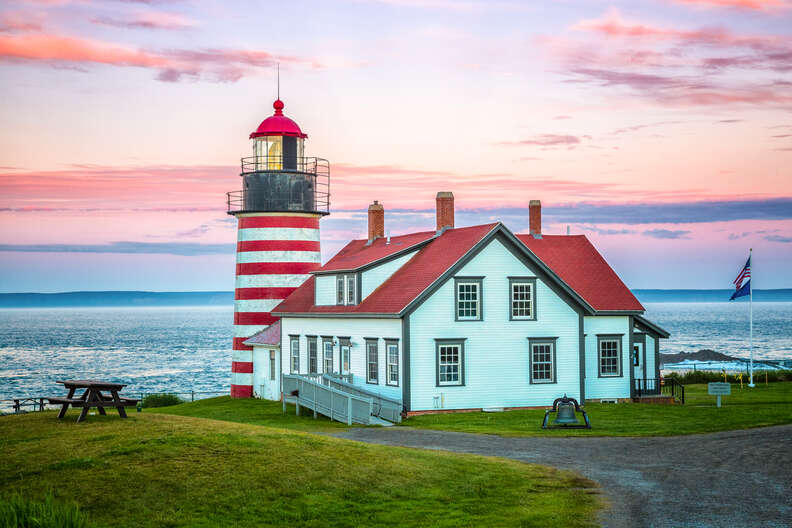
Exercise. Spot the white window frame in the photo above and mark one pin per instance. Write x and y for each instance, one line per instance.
(327, 358)
(445, 346)
(392, 363)
(295, 354)
(534, 346)
(313, 340)
(529, 282)
(375, 379)
(345, 352)
(346, 289)
(351, 289)
(464, 282)
(272, 361)
(340, 289)
(602, 339)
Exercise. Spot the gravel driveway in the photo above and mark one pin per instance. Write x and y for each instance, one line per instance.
(729, 479)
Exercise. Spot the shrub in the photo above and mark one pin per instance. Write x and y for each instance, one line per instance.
(161, 400)
(19, 512)
(707, 376)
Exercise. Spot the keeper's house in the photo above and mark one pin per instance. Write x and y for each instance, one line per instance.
(464, 318)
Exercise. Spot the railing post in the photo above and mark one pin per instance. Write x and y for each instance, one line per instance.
(192, 395)
(349, 410)
(331, 404)
(16, 407)
(314, 401)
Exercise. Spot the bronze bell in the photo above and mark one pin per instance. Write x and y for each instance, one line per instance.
(566, 414)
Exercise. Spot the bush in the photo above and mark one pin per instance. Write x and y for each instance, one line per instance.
(707, 376)
(161, 400)
(19, 512)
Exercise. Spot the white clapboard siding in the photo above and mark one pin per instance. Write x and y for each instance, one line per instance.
(325, 290)
(496, 349)
(357, 330)
(374, 277)
(606, 387)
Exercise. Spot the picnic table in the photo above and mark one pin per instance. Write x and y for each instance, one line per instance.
(92, 397)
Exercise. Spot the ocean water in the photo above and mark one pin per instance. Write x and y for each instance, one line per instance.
(189, 348)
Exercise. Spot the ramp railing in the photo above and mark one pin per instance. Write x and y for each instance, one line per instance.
(324, 399)
(386, 408)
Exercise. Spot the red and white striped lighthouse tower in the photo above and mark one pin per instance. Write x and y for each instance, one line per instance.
(283, 196)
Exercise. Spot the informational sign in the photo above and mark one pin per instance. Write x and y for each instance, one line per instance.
(719, 389)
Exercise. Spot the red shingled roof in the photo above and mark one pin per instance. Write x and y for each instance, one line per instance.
(582, 268)
(403, 286)
(572, 258)
(357, 253)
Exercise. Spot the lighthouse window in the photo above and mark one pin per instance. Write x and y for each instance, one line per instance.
(468, 299)
(295, 354)
(327, 346)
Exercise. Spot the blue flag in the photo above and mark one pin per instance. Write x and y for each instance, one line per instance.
(744, 275)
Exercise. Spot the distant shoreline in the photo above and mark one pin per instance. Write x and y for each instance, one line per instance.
(131, 299)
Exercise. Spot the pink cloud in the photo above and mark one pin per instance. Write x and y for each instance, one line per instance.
(739, 4)
(544, 140)
(173, 65)
(148, 20)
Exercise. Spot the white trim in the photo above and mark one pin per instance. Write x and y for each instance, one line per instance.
(251, 257)
(249, 234)
(270, 281)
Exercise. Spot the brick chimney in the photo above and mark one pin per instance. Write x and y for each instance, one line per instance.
(535, 218)
(445, 211)
(376, 221)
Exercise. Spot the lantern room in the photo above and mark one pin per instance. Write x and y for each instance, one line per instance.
(278, 142)
(278, 177)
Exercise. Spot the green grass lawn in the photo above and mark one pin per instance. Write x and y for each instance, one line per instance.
(761, 406)
(158, 470)
(252, 411)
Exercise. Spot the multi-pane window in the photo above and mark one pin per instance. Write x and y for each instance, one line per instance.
(392, 375)
(344, 356)
(522, 300)
(351, 283)
(346, 289)
(313, 360)
(449, 363)
(327, 345)
(272, 365)
(295, 354)
(468, 300)
(372, 361)
(542, 359)
(340, 289)
(609, 356)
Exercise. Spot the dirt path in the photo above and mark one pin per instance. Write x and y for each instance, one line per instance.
(729, 479)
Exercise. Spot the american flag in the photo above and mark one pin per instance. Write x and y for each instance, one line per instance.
(744, 274)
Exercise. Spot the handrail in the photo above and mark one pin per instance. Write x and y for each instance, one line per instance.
(386, 408)
(658, 386)
(335, 404)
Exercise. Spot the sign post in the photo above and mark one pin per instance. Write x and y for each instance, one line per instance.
(719, 389)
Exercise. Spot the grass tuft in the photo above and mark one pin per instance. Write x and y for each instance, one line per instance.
(17, 511)
(160, 400)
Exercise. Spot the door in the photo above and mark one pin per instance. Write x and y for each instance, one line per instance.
(637, 359)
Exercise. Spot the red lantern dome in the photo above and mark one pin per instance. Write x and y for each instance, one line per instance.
(278, 125)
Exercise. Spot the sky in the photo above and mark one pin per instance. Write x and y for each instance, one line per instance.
(660, 129)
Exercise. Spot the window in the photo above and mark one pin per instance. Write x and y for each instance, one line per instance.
(450, 362)
(522, 298)
(340, 289)
(372, 361)
(312, 355)
(346, 287)
(327, 347)
(344, 341)
(272, 365)
(295, 354)
(468, 298)
(542, 360)
(392, 352)
(351, 283)
(636, 356)
(609, 355)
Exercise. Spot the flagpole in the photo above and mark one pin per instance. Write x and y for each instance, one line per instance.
(750, 312)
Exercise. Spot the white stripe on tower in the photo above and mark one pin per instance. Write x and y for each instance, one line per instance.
(275, 254)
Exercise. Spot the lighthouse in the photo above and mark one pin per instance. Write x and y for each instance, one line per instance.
(283, 196)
